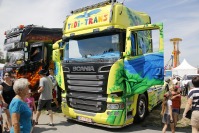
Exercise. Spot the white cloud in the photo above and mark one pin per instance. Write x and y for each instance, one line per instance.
(180, 18)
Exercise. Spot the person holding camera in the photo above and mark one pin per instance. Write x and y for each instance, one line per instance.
(193, 103)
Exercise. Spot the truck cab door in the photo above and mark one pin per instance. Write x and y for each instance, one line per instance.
(143, 66)
(57, 56)
(143, 58)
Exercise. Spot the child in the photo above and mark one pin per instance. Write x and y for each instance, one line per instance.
(1, 118)
(176, 103)
(2, 105)
(166, 112)
(31, 103)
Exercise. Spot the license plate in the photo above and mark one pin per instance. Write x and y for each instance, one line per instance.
(84, 119)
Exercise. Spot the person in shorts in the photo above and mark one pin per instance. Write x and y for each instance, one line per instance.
(2, 105)
(54, 92)
(45, 99)
(176, 103)
(193, 102)
(166, 112)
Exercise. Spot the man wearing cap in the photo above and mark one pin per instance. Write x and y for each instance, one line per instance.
(45, 88)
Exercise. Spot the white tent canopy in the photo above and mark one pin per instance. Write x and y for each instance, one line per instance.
(183, 69)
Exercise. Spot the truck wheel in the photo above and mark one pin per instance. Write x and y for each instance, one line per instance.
(141, 108)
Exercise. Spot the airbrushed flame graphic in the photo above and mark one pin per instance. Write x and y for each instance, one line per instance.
(33, 78)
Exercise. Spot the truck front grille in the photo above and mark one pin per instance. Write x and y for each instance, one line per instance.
(86, 91)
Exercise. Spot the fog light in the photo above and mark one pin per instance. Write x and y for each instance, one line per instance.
(108, 112)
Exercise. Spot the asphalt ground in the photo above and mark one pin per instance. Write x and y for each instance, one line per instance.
(62, 125)
(152, 124)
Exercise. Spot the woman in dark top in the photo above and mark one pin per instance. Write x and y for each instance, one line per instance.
(6, 90)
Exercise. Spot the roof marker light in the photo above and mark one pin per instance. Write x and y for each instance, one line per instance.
(21, 26)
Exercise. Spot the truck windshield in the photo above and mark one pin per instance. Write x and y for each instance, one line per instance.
(103, 47)
(14, 56)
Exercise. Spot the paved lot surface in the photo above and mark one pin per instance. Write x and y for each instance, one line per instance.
(152, 124)
(63, 126)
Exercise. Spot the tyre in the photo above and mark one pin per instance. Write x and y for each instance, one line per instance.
(141, 108)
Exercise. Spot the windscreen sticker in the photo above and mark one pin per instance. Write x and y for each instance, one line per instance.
(115, 39)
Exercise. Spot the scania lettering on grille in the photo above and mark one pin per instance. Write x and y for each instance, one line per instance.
(83, 68)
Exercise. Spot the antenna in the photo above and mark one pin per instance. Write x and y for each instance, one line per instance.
(122, 7)
(123, 1)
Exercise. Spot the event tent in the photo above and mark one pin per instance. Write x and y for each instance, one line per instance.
(183, 69)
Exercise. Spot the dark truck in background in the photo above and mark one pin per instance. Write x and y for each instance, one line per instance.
(28, 50)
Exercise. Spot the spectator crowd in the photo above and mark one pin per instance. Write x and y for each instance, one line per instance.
(17, 102)
(172, 103)
(19, 105)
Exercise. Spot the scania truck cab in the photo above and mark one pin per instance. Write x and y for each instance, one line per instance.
(112, 68)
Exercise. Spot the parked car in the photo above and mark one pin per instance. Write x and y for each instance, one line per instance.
(186, 83)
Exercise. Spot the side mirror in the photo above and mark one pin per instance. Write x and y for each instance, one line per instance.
(55, 46)
(26, 44)
(123, 54)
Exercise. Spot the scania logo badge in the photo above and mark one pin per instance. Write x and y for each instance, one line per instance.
(83, 68)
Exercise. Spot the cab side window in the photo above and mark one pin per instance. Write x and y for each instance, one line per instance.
(133, 45)
(36, 54)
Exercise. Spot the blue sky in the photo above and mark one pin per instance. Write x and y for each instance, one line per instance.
(180, 19)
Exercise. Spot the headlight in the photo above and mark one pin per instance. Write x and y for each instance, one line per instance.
(115, 106)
